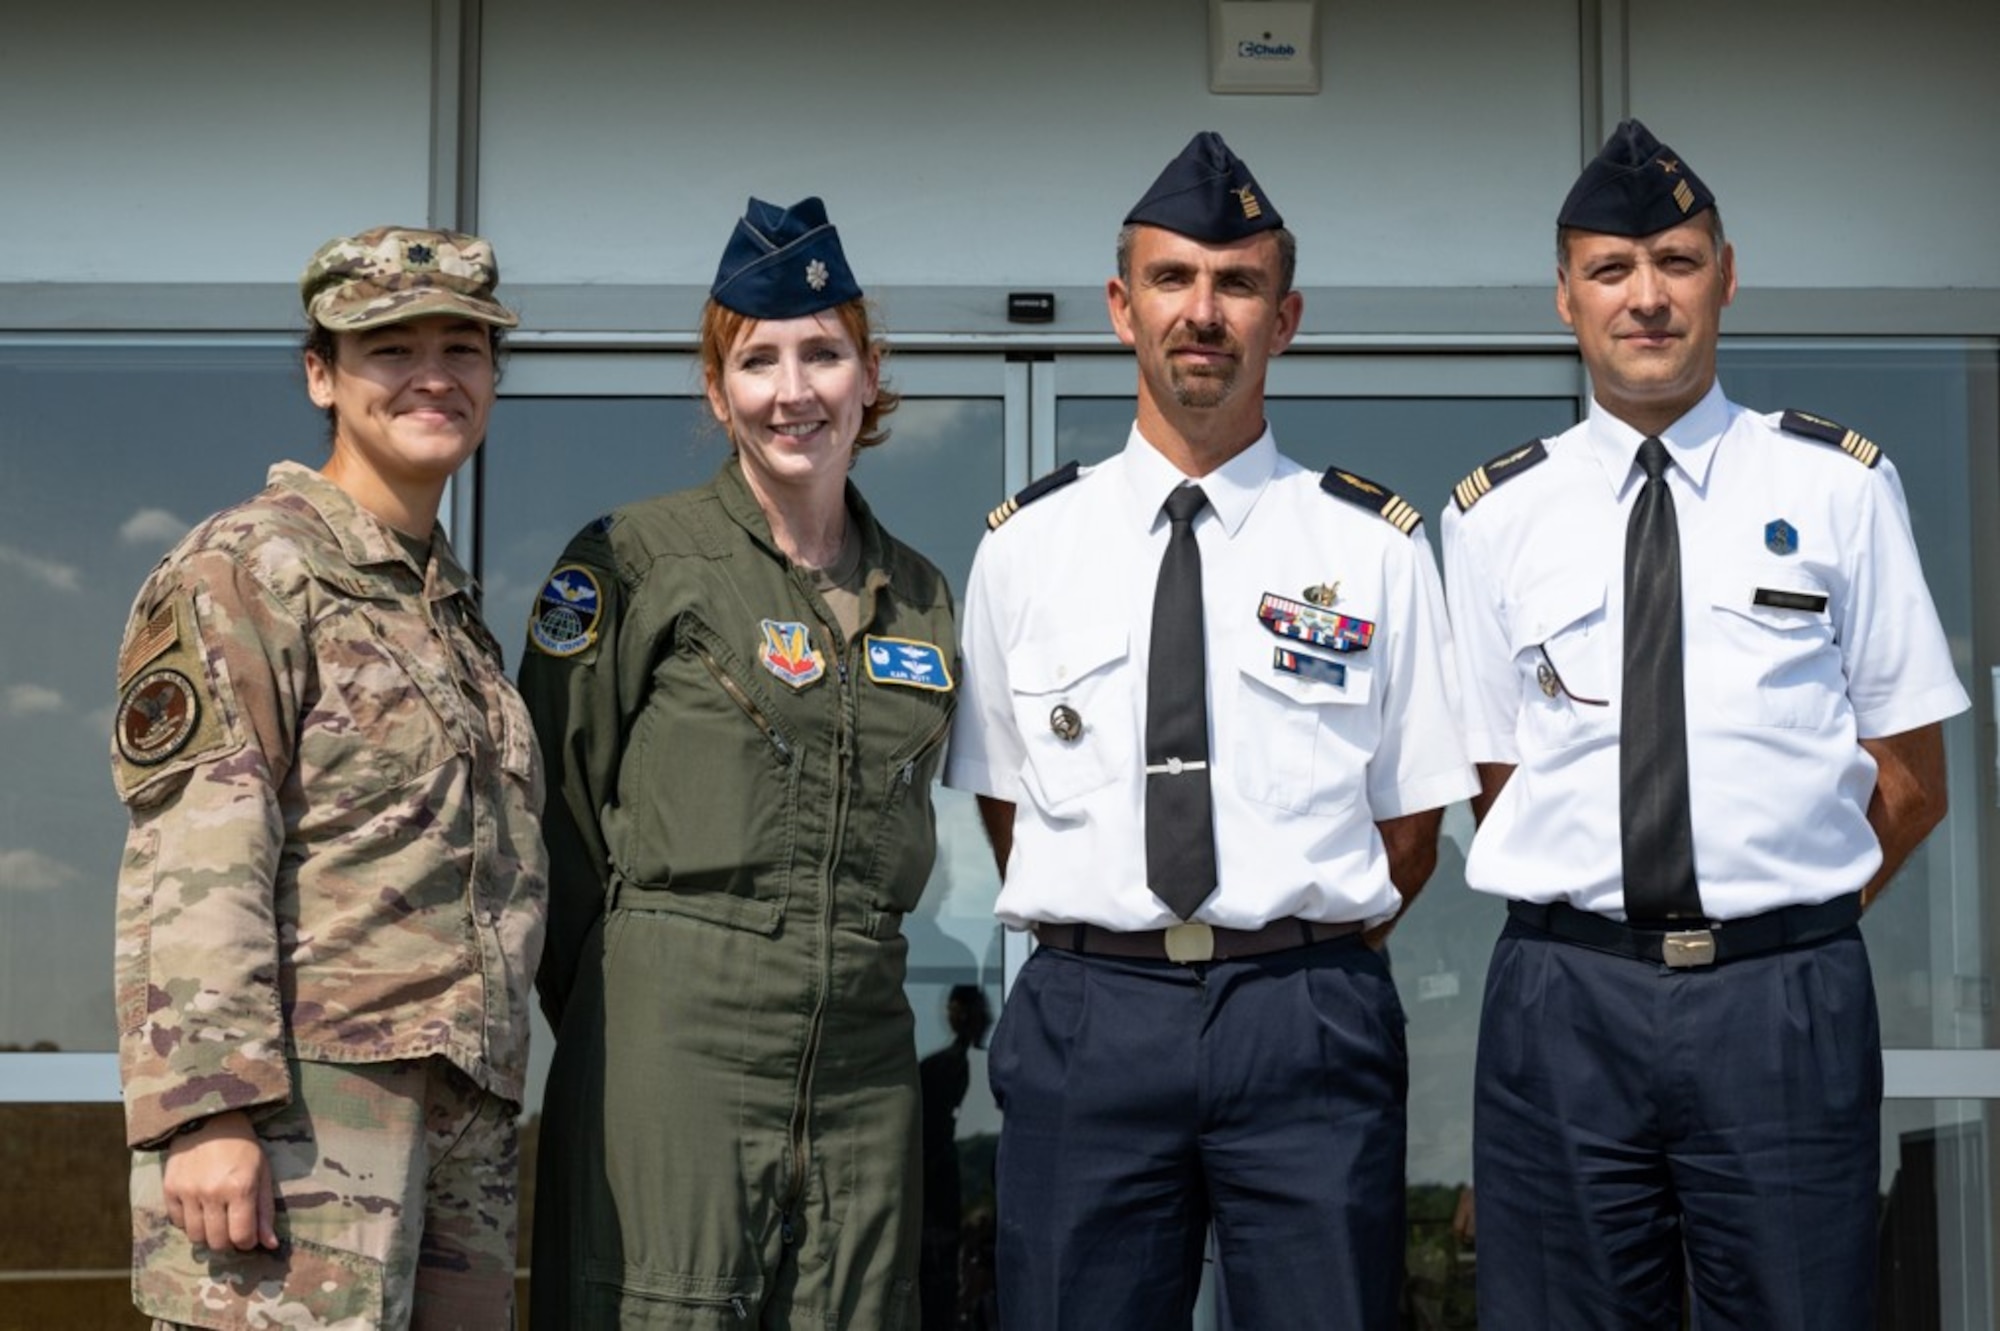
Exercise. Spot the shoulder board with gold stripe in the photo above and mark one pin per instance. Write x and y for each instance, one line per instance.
(1393, 510)
(1509, 464)
(1864, 451)
(1048, 484)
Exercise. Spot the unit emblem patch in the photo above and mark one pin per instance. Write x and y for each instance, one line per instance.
(567, 612)
(156, 716)
(788, 653)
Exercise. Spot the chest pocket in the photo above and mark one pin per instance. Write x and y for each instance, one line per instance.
(1086, 673)
(381, 719)
(1302, 743)
(1569, 671)
(1777, 663)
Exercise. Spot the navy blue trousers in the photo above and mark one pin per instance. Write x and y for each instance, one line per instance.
(1144, 1101)
(1641, 1133)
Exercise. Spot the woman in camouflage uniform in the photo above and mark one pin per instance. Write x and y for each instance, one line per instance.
(743, 690)
(333, 890)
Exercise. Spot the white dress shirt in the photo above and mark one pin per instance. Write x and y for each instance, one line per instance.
(1057, 614)
(1848, 645)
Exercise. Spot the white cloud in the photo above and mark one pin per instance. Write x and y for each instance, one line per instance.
(152, 526)
(62, 577)
(32, 871)
(31, 700)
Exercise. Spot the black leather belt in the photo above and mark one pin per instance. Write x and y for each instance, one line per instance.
(1187, 943)
(1720, 941)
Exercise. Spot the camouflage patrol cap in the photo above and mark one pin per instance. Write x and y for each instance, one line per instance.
(391, 273)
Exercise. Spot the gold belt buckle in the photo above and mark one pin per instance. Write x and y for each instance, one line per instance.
(1690, 947)
(1190, 942)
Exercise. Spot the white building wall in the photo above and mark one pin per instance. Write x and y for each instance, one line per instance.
(985, 145)
(211, 142)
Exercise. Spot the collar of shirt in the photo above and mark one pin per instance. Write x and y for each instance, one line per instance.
(1690, 442)
(365, 542)
(1232, 488)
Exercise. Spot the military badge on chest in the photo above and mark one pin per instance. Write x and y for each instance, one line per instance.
(906, 662)
(787, 652)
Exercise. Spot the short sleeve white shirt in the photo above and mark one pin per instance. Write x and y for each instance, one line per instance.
(1057, 615)
(1792, 655)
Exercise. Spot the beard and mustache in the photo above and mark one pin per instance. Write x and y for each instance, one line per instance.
(1203, 384)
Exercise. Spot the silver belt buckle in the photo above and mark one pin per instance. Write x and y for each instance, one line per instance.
(1190, 942)
(1689, 947)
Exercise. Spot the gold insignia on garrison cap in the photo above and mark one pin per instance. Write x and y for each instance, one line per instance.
(1248, 198)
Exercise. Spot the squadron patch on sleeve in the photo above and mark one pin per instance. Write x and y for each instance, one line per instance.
(157, 715)
(567, 611)
(1048, 484)
(1503, 468)
(174, 701)
(1864, 451)
(1393, 509)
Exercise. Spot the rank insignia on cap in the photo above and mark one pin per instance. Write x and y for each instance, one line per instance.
(1067, 724)
(419, 256)
(788, 653)
(1780, 537)
(1825, 431)
(1620, 194)
(1322, 628)
(567, 611)
(1307, 666)
(1323, 593)
(1048, 484)
(914, 665)
(156, 716)
(1207, 193)
(1505, 467)
(1394, 510)
(816, 275)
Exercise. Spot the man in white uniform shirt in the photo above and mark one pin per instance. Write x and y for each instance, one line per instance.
(1703, 681)
(1206, 708)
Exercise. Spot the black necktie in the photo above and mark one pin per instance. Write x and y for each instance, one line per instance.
(1180, 822)
(1656, 834)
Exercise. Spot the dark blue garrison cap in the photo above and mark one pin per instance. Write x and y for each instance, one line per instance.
(1635, 186)
(783, 263)
(1206, 194)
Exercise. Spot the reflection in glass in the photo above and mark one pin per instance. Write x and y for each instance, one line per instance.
(1928, 940)
(108, 455)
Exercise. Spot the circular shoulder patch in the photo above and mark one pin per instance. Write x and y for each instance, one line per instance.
(156, 716)
(566, 614)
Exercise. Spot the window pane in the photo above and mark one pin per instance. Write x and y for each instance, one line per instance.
(108, 454)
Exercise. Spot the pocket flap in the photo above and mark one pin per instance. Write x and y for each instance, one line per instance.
(1793, 601)
(235, 1291)
(1054, 664)
(1311, 677)
(1550, 608)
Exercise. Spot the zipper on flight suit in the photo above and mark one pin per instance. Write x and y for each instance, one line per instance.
(744, 701)
(802, 1108)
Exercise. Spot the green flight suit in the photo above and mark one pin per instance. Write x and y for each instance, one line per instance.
(739, 816)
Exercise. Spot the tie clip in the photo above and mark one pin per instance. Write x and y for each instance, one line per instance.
(1175, 766)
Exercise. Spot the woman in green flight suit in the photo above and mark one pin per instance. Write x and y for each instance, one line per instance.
(742, 691)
